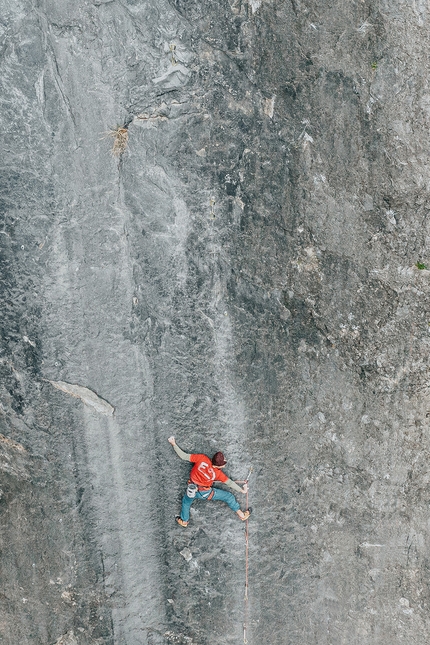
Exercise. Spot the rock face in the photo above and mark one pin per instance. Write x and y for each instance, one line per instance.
(249, 274)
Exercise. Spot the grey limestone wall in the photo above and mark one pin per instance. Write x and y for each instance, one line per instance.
(251, 276)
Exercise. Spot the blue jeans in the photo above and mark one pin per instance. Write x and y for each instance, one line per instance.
(219, 494)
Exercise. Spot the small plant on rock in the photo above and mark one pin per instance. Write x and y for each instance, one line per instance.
(120, 140)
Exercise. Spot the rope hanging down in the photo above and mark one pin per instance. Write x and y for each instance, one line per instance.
(245, 598)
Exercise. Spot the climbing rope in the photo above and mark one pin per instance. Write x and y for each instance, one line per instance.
(245, 599)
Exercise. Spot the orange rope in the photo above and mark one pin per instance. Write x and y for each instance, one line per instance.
(245, 599)
(245, 617)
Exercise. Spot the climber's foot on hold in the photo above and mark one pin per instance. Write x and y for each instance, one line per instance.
(244, 514)
(181, 522)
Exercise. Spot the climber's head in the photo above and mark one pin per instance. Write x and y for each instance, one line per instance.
(218, 460)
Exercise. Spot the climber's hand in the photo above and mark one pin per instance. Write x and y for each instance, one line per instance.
(245, 488)
(171, 440)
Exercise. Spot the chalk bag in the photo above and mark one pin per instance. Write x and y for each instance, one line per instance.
(192, 490)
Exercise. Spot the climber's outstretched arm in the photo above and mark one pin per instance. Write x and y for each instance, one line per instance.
(183, 455)
(236, 487)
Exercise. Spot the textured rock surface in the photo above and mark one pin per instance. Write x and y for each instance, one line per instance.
(244, 276)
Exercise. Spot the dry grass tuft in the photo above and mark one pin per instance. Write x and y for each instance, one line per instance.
(120, 140)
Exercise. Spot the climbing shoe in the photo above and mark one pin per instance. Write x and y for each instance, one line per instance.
(246, 514)
(181, 522)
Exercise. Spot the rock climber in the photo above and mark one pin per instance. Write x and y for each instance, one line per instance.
(203, 474)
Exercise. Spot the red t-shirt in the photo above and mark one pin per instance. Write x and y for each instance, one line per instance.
(203, 473)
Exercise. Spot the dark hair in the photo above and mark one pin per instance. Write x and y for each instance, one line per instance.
(218, 459)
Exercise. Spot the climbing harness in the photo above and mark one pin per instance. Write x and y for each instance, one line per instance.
(205, 492)
(245, 598)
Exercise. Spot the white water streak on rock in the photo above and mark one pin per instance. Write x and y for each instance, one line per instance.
(255, 5)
